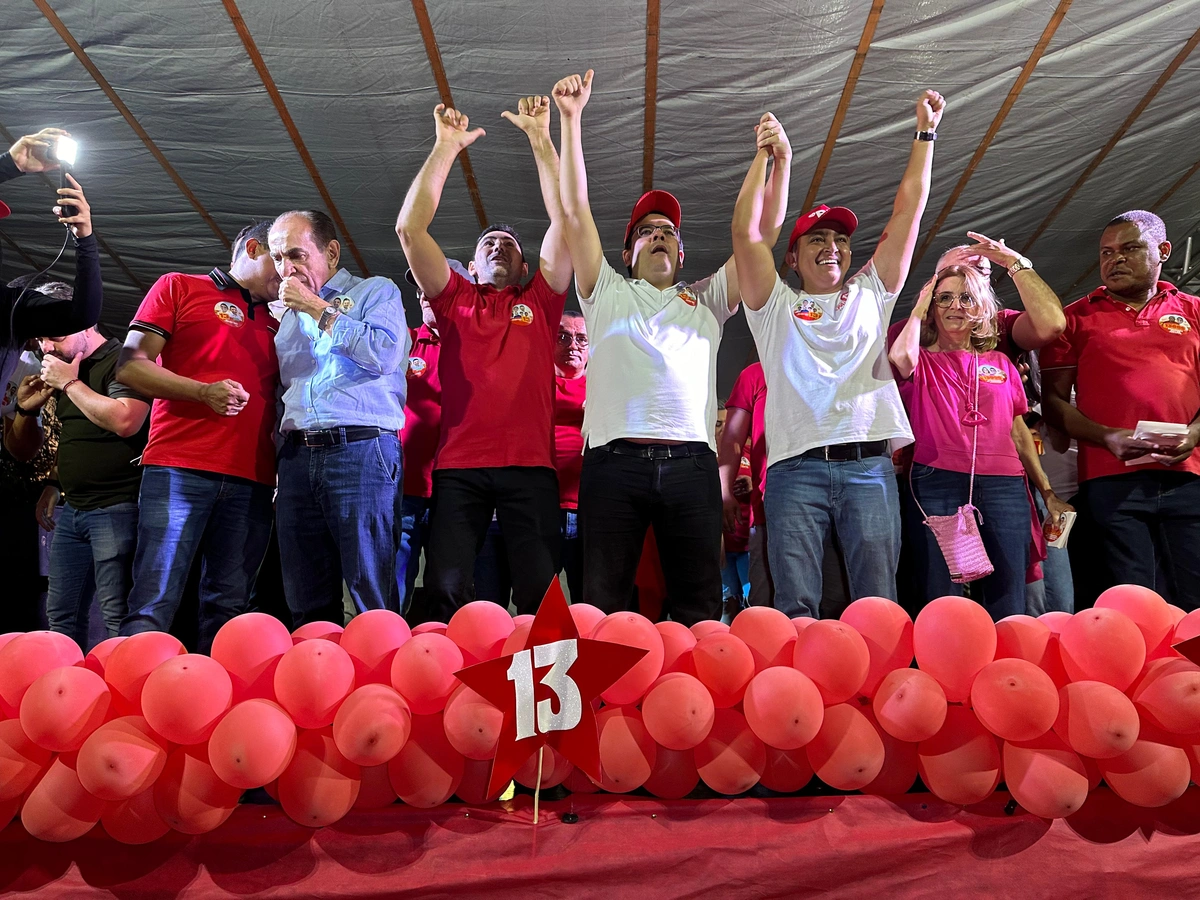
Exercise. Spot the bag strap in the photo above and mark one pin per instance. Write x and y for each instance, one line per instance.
(974, 443)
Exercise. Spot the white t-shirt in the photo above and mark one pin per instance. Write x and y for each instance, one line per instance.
(652, 372)
(824, 357)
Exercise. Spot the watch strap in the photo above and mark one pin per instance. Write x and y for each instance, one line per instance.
(925, 136)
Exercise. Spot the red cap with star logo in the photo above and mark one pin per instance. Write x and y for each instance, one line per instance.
(839, 218)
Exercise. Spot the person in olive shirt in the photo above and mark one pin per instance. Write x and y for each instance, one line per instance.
(104, 431)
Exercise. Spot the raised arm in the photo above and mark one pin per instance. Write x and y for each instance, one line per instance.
(123, 416)
(1043, 319)
(31, 153)
(424, 255)
(751, 250)
(906, 348)
(893, 256)
(23, 434)
(137, 368)
(571, 95)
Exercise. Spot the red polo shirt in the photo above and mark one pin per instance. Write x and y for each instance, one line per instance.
(422, 412)
(210, 336)
(750, 393)
(569, 394)
(497, 373)
(1129, 366)
(739, 541)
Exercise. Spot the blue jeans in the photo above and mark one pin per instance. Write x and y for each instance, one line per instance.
(735, 577)
(805, 498)
(338, 511)
(184, 512)
(414, 531)
(1003, 503)
(92, 550)
(1056, 591)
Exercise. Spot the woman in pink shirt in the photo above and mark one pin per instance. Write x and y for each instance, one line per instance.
(953, 380)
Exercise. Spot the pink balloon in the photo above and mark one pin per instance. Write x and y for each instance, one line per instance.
(423, 672)
(847, 752)
(427, 770)
(319, 786)
(1187, 627)
(899, 771)
(835, 657)
(185, 697)
(1045, 776)
(250, 646)
(888, 632)
(783, 708)
(632, 630)
(1102, 645)
(1148, 774)
(1014, 699)
(58, 808)
(953, 638)
(375, 791)
(1148, 611)
(802, 622)
(312, 680)
(678, 711)
(372, 725)
(731, 760)
(523, 619)
(63, 707)
(130, 664)
(134, 821)
(26, 658)
(586, 618)
(961, 763)
(253, 744)
(97, 657)
(429, 628)
(705, 627)
(318, 631)
(21, 760)
(1167, 696)
(674, 775)
(678, 643)
(121, 759)
(1055, 620)
(627, 751)
(555, 769)
(725, 665)
(1022, 637)
(579, 783)
(909, 705)
(479, 629)
(473, 789)
(472, 724)
(1095, 719)
(787, 771)
(516, 641)
(189, 795)
(768, 633)
(372, 639)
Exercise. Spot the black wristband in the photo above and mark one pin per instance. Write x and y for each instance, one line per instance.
(925, 136)
(22, 411)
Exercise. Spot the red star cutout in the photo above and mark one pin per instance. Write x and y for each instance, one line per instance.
(597, 665)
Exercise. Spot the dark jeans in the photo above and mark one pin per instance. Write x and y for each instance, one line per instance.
(338, 512)
(1149, 530)
(185, 512)
(572, 553)
(525, 501)
(620, 497)
(414, 532)
(1003, 502)
(92, 552)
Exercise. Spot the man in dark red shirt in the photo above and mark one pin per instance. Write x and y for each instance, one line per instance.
(496, 448)
(744, 419)
(1131, 350)
(570, 392)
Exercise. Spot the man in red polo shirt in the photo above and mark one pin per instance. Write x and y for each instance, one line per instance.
(570, 392)
(746, 409)
(210, 459)
(496, 448)
(1131, 350)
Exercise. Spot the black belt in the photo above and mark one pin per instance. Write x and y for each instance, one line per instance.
(331, 437)
(848, 452)
(657, 451)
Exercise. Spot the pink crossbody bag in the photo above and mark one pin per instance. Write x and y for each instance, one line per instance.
(958, 535)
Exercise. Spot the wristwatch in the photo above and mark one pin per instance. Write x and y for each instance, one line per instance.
(328, 314)
(1020, 265)
(925, 136)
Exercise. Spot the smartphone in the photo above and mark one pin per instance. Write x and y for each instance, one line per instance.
(66, 150)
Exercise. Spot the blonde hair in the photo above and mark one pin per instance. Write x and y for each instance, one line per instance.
(983, 316)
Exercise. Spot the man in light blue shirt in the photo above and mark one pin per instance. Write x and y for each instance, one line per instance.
(343, 353)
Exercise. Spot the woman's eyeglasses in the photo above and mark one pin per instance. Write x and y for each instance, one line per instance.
(946, 299)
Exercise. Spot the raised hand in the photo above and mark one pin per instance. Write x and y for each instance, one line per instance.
(296, 295)
(996, 251)
(80, 222)
(57, 373)
(452, 128)
(225, 398)
(930, 107)
(571, 94)
(532, 116)
(32, 392)
(770, 136)
(35, 152)
(921, 306)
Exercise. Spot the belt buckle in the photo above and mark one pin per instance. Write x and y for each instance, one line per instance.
(825, 450)
(659, 452)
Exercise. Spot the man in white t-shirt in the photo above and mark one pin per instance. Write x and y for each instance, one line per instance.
(833, 408)
(649, 421)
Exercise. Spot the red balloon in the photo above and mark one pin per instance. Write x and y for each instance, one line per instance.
(847, 752)
(312, 680)
(899, 771)
(130, 664)
(627, 751)
(134, 821)
(674, 775)
(725, 666)
(372, 639)
(516, 641)
(586, 617)
(1148, 611)
(1045, 776)
(909, 705)
(121, 759)
(318, 631)
(427, 770)
(58, 808)
(319, 786)
(577, 782)
(423, 672)
(1187, 627)
(787, 771)
(429, 628)
(632, 630)
(21, 760)
(555, 769)
(802, 622)
(961, 763)
(783, 707)
(1014, 699)
(705, 627)
(253, 744)
(190, 796)
(185, 697)
(678, 644)
(1148, 773)
(63, 707)
(1167, 696)
(250, 646)
(732, 759)
(472, 724)
(97, 657)
(372, 725)
(768, 633)
(472, 789)
(888, 632)
(26, 658)
(376, 790)
(678, 711)
(1055, 620)
(1095, 719)
(953, 638)
(835, 657)
(1022, 637)
(1102, 645)
(523, 619)
(479, 629)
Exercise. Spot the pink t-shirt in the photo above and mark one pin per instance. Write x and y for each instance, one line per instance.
(936, 399)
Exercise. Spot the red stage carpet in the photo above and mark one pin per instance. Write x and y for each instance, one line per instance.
(851, 846)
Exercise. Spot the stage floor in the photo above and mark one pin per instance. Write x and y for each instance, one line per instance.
(848, 846)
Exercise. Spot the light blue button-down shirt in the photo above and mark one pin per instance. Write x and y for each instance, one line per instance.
(357, 374)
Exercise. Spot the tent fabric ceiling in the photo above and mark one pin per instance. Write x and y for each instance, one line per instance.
(359, 83)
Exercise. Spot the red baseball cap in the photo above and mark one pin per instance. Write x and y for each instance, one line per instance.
(5, 212)
(660, 202)
(838, 218)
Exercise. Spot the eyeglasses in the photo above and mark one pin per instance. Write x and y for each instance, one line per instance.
(946, 299)
(645, 231)
(566, 339)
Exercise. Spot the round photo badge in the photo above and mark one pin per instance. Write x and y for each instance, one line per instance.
(522, 314)
(992, 374)
(807, 310)
(229, 314)
(688, 297)
(417, 366)
(1174, 324)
